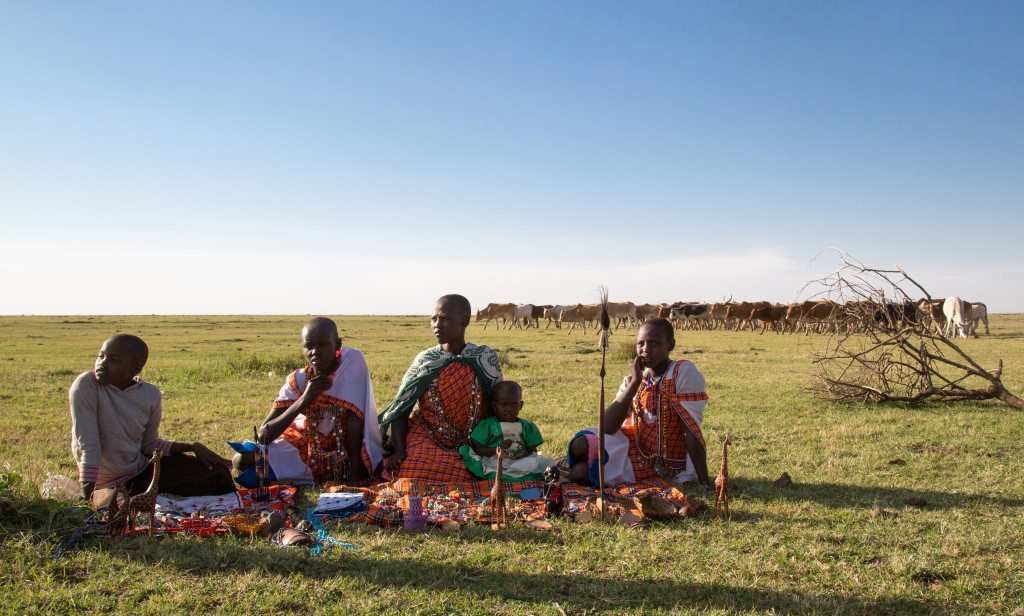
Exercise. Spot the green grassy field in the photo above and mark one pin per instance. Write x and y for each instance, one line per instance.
(811, 548)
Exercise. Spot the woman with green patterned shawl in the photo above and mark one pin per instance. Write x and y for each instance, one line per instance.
(444, 395)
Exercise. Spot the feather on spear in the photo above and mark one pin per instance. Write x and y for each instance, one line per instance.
(606, 331)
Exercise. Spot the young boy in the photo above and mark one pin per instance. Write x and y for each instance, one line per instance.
(652, 429)
(316, 430)
(115, 422)
(517, 437)
(442, 398)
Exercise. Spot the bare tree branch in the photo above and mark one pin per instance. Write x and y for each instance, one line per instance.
(885, 347)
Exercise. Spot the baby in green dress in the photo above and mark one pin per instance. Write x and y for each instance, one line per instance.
(517, 437)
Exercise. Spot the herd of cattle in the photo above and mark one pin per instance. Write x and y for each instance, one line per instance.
(950, 316)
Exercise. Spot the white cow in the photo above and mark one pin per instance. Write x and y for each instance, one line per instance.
(554, 313)
(953, 310)
(523, 311)
(979, 312)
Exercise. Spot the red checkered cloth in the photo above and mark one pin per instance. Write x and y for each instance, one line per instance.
(324, 405)
(431, 454)
(662, 441)
(281, 497)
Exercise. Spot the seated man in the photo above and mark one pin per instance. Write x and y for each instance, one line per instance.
(652, 429)
(115, 428)
(316, 430)
(450, 386)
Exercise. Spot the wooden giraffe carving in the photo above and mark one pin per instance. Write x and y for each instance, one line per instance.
(146, 502)
(117, 512)
(722, 483)
(499, 510)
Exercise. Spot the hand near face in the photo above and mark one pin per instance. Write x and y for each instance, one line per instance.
(316, 386)
(636, 371)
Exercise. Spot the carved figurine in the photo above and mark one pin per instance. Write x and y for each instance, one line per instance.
(117, 512)
(146, 502)
(499, 509)
(722, 483)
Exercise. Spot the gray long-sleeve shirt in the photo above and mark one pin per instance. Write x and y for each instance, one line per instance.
(113, 431)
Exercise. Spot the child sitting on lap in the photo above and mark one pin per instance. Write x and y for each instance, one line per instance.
(517, 437)
(115, 422)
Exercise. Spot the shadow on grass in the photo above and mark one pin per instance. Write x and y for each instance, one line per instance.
(837, 495)
(573, 591)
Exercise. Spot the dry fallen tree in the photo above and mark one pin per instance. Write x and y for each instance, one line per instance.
(887, 349)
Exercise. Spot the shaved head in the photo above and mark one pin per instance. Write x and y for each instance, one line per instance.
(456, 303)
(130, 345)
(511, 386)
(321, 324)
(660, 325)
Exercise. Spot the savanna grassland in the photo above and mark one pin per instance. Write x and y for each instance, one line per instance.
(813, 547)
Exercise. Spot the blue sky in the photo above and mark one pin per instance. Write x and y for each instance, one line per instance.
(366, 158)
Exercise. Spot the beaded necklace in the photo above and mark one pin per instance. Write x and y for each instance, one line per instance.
(335, 462)
(442, 428)
(665, 466)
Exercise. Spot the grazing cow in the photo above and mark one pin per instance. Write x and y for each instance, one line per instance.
(892, 316)
(524, 312)
(979, 312)
(621, 313)
(819, 313)
(933, 312)
(493, 312)
(953, 310)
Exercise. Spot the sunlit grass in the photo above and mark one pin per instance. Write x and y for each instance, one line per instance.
(813, 547)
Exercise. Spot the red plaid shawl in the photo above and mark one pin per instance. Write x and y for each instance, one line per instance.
(439, 462)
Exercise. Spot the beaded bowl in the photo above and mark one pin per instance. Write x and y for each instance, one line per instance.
(246, 523)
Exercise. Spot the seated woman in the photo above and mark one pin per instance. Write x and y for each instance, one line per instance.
(443, 396)
(517, 437)
(652, 429)
(316, 430)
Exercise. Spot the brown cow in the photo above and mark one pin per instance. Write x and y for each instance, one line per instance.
(621, 313)
(933, 310)
(740, 313)
(822, 313)
(575, 315)
(646, 311)
(493, 312)
(770, 315)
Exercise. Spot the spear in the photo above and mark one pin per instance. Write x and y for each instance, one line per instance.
(605, 333)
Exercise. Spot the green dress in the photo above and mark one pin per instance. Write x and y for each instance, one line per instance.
(492, 433)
